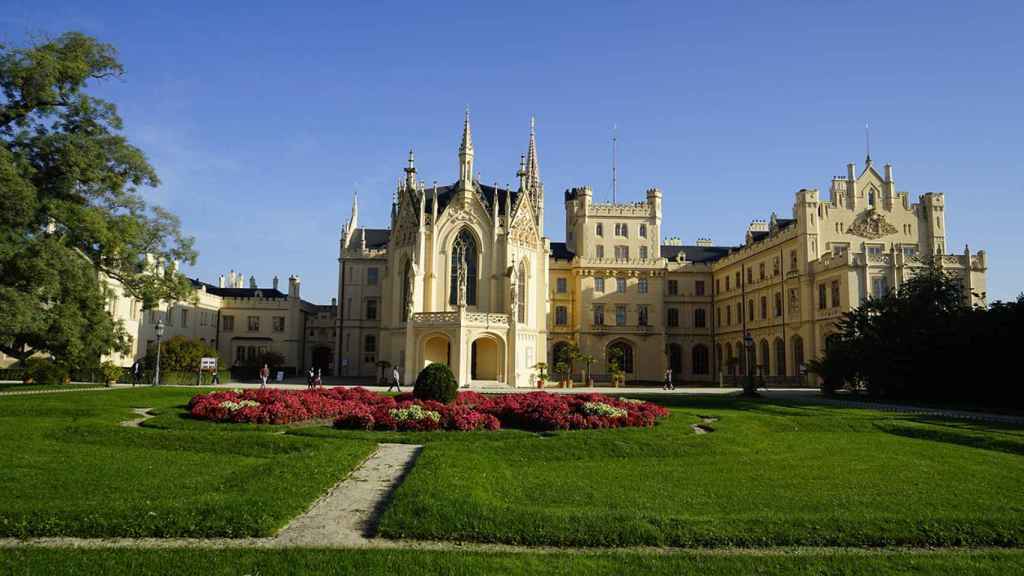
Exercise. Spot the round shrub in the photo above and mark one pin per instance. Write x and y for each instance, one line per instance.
(436, 382)
(45, 371)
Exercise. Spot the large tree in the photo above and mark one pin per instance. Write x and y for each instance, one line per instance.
(72, 206)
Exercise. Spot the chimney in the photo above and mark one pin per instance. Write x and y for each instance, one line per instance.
(851, 171)
(293, 287)
(220, 281)
(252, 282)
(888, 172)
(704, 242)
(231, 279)
(334, 302)
(275, 281)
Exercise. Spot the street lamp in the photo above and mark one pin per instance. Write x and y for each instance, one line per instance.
(159, 334)
(748, 345)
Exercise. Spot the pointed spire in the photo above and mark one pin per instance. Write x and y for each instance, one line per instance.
(521, 173)
(410, 172)
(466, 152)
(867, 146)
(532, 166)
(353, 220)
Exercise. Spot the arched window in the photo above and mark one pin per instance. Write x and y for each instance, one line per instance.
(699, 362)
(521, 291)
(643, 230)
(621, 353)
(871, 197)
(765, 362)
(600, 229)
(463, 249)
(780, 357)
(406, 288)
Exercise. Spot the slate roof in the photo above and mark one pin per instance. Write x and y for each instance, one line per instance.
(698, 254)
(375, 237)
(238, 292)
(445, 194)
(559, 251)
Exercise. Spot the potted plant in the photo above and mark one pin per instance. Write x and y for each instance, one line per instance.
(563, 371)
(111, 373)
(542, 373)
(587, 360)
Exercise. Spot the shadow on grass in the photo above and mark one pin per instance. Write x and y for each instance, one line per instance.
(937, 430)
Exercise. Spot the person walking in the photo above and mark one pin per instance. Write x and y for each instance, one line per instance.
(394, 380)
(136, 373)
(669, 385)
(264, 376)
(316, 381)
(310, 375)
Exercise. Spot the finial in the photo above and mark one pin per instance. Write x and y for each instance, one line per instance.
(867, 145)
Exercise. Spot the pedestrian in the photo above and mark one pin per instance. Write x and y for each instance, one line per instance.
(216, 377)
(264, 376)
(316, 381)
(668, 380)
(394, 381)
(310, 374)
(136, 372)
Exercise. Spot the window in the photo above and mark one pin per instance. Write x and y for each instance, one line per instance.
(718, 285)
(839, 249)
(599, 230)
(184, 317)
(561, 315)
(227, 323)
(764, 307)
(750, 276)
(698, 287)
(879, 286)
(728, 315)
(622, 230)
(718, 317)
(750, 310)
(598, 314)
(599, 251)
(239, 354)
(561, 286)
(792, 260)
(643, 252)
(874, 250)
(775, 266)
(673, 317)
(372, 275)
(463, 251)
(700, 319)
(620, 314)
(737, 279)
(727, 286)
(278, 323)
(822, 303)
(620, 285)
(871, 197)
(673, 287)
(254, 323)
(699, 362)
(642, 285)
(778, 304)
(909, 251)
(642, 315)
(760, 271)
(643, 230)
(371, 308)
(370, 349)
(622, 252)
(599, 284)
(835, 293)
(794, 300)
(521, 284)
(169, 316)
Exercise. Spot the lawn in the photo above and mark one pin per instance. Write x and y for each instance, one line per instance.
(421, 562)
(769, 475)
(68, 468)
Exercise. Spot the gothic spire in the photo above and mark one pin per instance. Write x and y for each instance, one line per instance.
(533, 183)
(466, 152)
(410, 172)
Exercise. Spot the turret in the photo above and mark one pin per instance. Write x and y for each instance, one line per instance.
(466, 154)
(410, 172)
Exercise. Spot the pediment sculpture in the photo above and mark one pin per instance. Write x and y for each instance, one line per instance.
(872, 225)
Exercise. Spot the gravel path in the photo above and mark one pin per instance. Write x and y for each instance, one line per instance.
(347, 516)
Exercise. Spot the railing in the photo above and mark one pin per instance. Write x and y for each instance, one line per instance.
(454, 318)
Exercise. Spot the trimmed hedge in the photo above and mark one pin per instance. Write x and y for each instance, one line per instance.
(436, 382)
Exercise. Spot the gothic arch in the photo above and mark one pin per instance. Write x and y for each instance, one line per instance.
(628, 354)
(465, 246)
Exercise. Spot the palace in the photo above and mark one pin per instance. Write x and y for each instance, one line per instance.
(466, 276)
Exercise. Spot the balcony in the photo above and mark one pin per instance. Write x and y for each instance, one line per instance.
(474, 319)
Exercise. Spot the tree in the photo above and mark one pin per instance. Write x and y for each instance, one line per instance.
(72, 210)
(180, 354)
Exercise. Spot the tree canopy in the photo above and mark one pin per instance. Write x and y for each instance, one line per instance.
(71, 187)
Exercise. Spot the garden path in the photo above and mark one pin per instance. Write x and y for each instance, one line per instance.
(144, 414)
(348, 514)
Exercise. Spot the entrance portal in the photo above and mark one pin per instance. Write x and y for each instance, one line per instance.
(486, 359)
(438, 349)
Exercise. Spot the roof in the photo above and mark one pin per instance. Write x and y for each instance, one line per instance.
(238, 292)
(559, 251)
(698, 254)
(375, 237)
(445, 194)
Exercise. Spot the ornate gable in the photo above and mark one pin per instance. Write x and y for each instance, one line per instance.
(523, 228)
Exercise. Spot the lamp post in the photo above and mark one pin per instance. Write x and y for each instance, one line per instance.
(748, 347)
(159, 334)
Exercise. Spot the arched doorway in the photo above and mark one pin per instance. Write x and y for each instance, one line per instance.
(699, 363)
(621, 353)
(322, 356)
(798, 354)
(730, 359)
(780, 357)
(765, 365)
(437, 348)
(675, 360)
(485, 359)
(561, 353)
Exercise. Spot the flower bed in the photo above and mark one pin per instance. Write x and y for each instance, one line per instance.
(360, 409)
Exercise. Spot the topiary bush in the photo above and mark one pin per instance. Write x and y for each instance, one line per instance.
(436, 382)
(45, 371)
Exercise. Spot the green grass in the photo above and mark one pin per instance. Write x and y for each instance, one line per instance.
(19, 387)
(68, 468)
(418, 562)
(769, 475)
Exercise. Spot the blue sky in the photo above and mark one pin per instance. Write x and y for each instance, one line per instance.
(263, 119)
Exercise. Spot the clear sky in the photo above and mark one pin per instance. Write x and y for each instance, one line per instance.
(263, 119)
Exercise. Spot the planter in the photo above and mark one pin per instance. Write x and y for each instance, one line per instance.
(540, 383)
